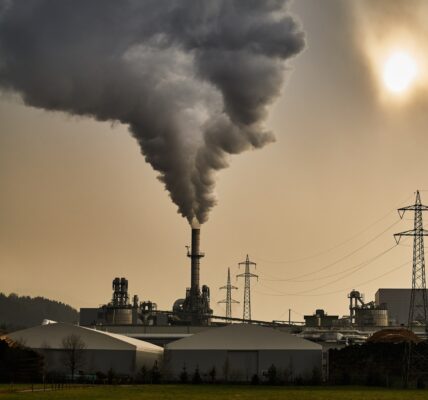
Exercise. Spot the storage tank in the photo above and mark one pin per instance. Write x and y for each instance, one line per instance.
(119, 316)
(371, 317)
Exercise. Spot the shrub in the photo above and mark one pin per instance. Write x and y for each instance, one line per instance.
(184, 376)
(196, 379)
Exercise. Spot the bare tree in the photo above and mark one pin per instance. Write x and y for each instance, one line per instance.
(73, 353)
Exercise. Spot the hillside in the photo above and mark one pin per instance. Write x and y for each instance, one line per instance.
(22, 311)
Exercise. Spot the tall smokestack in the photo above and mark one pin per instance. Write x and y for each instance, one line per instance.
(195, 255)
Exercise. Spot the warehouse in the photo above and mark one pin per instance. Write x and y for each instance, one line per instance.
(90, 350)
(240, 351)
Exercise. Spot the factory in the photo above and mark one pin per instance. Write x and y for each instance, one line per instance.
(164, 328)
(126, 335)
(192, 310)
(192, 313)
(366, 314)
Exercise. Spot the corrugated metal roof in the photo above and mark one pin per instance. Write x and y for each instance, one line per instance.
(52, 336)
(243, 337)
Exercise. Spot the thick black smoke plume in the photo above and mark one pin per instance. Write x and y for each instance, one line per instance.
(191, 78)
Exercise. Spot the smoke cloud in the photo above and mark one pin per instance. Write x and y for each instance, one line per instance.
(192, 79)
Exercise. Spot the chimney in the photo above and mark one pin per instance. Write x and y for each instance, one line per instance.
(195, 256)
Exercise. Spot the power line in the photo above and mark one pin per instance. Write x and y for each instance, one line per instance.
(337, 245)
(340, 290)
(356, 267)
(337, 261)
(361, 266)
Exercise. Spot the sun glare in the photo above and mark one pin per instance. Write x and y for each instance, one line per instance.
(399, 72)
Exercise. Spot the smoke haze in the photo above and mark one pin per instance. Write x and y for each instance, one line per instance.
(192, 79)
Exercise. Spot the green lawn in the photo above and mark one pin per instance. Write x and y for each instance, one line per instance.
(208, 392)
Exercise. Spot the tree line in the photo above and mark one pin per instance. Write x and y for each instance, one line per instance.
(18, 312)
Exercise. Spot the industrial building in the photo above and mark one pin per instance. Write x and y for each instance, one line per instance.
(194, 309)
(240, 351)
(361, 315)
(364, 314)
(98, 351)
(321, 319)
(192, 314)
(397, 301)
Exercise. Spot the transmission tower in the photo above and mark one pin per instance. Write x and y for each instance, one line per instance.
(415, 362)
(247, 290)
(228, 300)
(418, 299)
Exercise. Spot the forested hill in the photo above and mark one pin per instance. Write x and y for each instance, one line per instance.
(18, 312)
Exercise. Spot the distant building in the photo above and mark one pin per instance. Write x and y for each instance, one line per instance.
(321, 319)
(397, 302)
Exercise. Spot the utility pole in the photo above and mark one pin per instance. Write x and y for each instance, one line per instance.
(414, 361)
(247, 290)
(228, 300)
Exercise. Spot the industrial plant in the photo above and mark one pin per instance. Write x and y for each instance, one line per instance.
(190, 334)
(193, 314)
(194, 309)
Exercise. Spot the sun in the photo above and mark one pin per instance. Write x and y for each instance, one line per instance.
(399, 72)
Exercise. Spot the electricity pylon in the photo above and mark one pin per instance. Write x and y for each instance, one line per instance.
(247, 289)
(228, 300)
(415, 362)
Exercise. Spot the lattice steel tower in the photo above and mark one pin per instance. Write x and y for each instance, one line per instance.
(247, 290)
(415, 362)
(228, 300)
(418, 298)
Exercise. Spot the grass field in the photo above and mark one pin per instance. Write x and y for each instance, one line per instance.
(211, 392)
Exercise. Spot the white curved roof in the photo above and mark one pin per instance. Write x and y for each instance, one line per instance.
(243, 337)
(52, 336)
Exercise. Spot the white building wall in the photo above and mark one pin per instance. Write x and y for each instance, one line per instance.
(204, 360)
(241, 365)
(120, 361)
(147, 359)
(297, 363)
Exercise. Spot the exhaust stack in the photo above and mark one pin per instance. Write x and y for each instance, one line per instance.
(195, 308)
(195, 256)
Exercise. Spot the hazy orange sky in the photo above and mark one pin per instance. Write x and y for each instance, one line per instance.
(79, 205)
